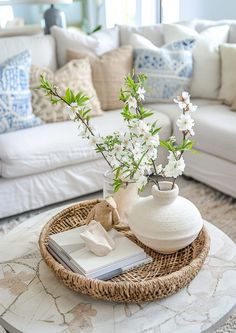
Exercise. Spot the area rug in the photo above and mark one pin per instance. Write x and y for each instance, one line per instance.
(215, 207)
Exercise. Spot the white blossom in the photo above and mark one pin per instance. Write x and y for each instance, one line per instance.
(137, 153)
(139, 127)
(153, 140)
(118, 150)
(132, 102)
(159, 169)
(113, 161)
(173, 156)
(141, 92)
(141, 182)
(82, 129)
(192, 107)
(174, 168)
(185, 122)
(69, 111)
(74, 104)
(172, 139)
(191, 132)
(94, 140)
(152, 153)
(182, 100)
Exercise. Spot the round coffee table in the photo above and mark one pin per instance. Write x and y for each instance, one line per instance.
(32, 299)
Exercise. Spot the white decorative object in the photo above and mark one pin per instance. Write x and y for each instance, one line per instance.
(34, 300)
(97, 239)
(165, 221)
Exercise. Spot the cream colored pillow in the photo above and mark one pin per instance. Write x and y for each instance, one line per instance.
(108, 73)
(76, 75)
(228, 74)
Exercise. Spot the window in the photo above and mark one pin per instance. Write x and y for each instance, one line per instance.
(170, 10)
(6, 14)
(131, 12)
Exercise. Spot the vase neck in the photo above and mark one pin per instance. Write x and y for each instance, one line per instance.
(165, 195)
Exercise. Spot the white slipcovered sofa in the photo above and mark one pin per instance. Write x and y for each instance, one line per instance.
(47, 164)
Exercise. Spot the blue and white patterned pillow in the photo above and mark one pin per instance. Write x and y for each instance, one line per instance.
(15, 96)
(169, 69)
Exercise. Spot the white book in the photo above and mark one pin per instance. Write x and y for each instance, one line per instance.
(70, 244)
(106, 276)
(94, 274)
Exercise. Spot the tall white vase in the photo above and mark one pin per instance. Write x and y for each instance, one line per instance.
(165, 221)
(125, 197)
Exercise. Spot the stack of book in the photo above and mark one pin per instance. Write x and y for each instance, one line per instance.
(69, 249)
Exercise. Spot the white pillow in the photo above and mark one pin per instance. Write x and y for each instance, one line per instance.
(108, 40)
(228, 73)
(206, 72)
(99, 42)
(153, 33)
(139, 42)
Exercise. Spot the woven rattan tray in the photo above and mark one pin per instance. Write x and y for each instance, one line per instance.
(163, 277)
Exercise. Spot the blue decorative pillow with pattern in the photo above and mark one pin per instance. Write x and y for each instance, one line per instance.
(169, 69)
(15, 96)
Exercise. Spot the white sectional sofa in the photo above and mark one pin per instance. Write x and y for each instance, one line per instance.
(47, 164)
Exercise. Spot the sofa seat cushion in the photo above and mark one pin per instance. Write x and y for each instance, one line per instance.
(215, 127)
(216, 131)
(56, 145)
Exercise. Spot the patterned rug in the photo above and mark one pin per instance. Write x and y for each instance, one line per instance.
(215, 207)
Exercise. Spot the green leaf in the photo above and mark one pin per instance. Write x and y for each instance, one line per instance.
(117, 184)
(167, 145)
(68, 96)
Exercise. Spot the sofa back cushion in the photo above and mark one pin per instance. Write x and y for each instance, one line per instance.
(15, 97)
(42, 48)
(168, 68)
(228, 77)
(201, 25)
(206, 70)
(153, 32)
(99, 42)
(108, 72)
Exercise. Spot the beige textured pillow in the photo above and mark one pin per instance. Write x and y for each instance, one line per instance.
(76, 75)
(228, 73)
(108, 73)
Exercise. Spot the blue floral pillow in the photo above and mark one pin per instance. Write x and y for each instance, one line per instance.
(15, 96)
(169, 69)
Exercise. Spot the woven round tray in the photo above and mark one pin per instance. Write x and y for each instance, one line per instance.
(163, 277)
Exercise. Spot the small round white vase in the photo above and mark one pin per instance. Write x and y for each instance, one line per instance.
(165, 221)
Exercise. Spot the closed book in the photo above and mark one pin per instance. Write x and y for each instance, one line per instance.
(71, 248)
(106, 276)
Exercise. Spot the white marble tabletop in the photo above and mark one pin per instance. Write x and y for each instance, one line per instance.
(33, 300)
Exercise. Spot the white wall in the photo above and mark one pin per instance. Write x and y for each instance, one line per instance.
(207, 9)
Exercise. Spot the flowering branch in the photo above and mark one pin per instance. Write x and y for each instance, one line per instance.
(131, 154)
(76, 105)
(185, 123)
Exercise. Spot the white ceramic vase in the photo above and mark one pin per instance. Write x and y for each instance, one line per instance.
(165, 221)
